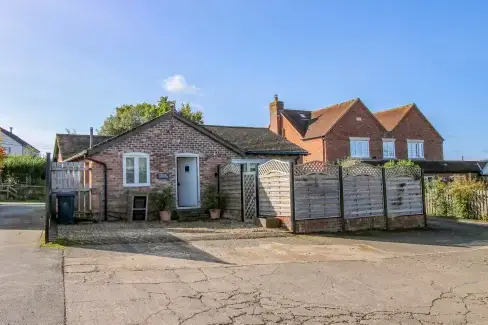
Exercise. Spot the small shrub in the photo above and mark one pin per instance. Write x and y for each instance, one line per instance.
(164, 198)
(348, 161)
(212, 199)
(393, 163)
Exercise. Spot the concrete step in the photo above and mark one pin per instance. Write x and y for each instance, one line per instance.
(192, 215)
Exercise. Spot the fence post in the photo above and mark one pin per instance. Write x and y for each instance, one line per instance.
(218, 185)
(292, 198)
(48, 198)
(422, 184)
(385, 196)
(257, 190)
(341, 199)
(242, 192)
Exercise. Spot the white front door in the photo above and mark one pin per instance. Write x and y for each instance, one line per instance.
(187, 171)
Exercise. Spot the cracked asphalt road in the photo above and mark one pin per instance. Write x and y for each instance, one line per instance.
(436, 276)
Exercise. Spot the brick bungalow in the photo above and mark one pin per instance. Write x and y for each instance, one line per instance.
(350, 129)
(168, 150)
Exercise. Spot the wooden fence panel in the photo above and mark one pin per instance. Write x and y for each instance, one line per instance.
(317, 193)
(404, 191)
(230, 185)
(363, 191)
(274, 188)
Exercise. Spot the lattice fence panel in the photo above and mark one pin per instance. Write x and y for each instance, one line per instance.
(317, 167)
(249, 196)
(404, 191)
(274, 166)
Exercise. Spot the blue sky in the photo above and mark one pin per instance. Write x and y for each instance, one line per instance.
(68, 64)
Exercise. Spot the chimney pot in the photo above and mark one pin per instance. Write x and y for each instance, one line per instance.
(11, 129)
(91, 137)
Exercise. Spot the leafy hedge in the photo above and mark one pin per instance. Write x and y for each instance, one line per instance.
(393, 163)
(458, 198)
(23, 170)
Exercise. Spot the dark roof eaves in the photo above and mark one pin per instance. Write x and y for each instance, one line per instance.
(284, 152)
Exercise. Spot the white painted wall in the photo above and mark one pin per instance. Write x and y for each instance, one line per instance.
(10, 145)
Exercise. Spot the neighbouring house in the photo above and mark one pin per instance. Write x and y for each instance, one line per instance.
(14, 145)
(168, 150)
(350, 129)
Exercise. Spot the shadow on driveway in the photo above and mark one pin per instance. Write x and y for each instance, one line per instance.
(172, 248)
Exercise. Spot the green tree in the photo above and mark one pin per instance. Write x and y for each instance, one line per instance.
(127, 117)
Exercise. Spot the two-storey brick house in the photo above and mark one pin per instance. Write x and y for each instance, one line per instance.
(350, 129)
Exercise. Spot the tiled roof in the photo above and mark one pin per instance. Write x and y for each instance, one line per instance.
(255, 140)
(243, 140)
(71, 144)
(317, 123)
(391, 117)
(16, 138)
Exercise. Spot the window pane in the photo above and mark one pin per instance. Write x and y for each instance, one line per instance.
(389, 149)
(142, 170)
(129, 170)
(360, 148)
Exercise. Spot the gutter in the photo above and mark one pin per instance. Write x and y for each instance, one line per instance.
(105, 195)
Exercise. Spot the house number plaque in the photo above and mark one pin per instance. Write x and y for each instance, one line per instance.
(163, 176)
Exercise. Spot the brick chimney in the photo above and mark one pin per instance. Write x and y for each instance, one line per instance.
(275, 123)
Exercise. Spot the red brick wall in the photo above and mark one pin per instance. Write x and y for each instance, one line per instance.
(337, 145)
(414, 127)
(314, 146)
(161, 142)
(275, 119)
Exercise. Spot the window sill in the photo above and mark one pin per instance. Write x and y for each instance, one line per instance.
(137, 185)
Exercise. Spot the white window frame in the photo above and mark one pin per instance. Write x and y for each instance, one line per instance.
(136, 155)
(248, 162)
(390, 140)
(413, 141)
(356, 139)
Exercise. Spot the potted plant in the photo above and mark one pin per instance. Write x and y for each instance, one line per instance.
(164, 200)
(213, 201)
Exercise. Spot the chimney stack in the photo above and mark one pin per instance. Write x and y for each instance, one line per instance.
(91, 137)
(11, 129)
(275, 122)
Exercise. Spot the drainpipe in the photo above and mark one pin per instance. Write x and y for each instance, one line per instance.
(105, 217)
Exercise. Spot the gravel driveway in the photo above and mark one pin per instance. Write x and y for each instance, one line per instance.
(154, 232)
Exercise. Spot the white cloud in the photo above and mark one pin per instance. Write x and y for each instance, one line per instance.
(178, 84)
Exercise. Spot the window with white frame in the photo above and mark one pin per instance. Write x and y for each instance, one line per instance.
(415, 149)
(389, 148)
(136, 169)
(359, 147)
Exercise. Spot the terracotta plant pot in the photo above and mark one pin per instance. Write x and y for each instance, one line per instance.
(165, 215)
(214, 213)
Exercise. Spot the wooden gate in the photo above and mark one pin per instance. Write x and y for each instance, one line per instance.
(72, 177)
